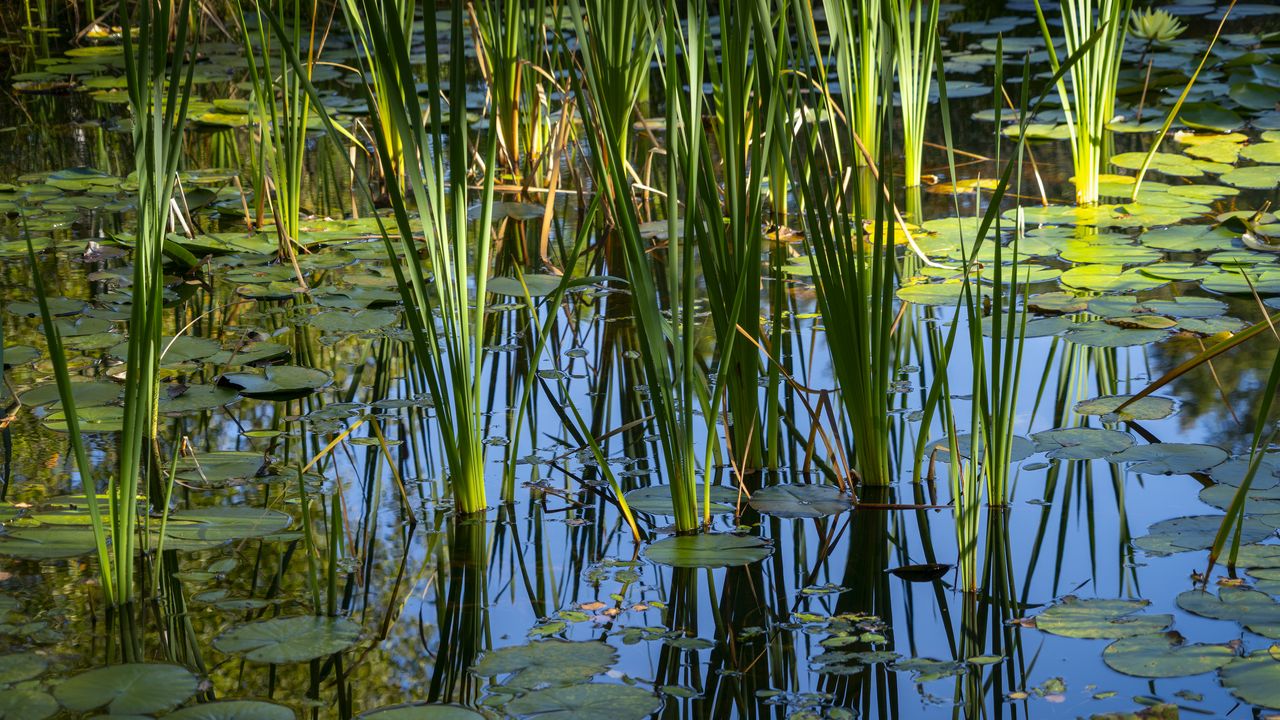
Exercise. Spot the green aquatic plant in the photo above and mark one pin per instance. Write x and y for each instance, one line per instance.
(1095, 30)
(282, 107)
(863, 64)
(394, 18)
(676, 390)
(510, 36)
(915, 37)
(445, 311)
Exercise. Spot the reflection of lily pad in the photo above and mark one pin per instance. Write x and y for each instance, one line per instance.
(708, 550)
(234, 710)
(1164, 655)
(1081, 443)
(1100, 618)
(656, 499)
(1151, 407)
(286, 640)
(278, 382)
(547, 662)
(132, 688)
(586, 702)
(1170, 458)
(800, 501)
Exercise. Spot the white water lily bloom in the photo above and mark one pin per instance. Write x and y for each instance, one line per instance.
(1155, 25)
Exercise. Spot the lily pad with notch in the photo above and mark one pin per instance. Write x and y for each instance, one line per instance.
(1165, 655)
(1074, 617)
(219, 469)
(1081, 443)
(709, 550)
(1257, 611)
(800, 501)
(588, 701)
(544, 663)
(1196, 532)
(1170, 458)
(234, 710)
(276, 382)
(285, 640)
(128, 689)
(1254, 678)
(1150, 407)
(656, 499)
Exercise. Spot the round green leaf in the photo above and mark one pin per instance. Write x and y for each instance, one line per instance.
(547, 662)
(1254, 678)
(421, 711)
(656, 499)
(1164, 655)
(1150, 407)
(1100, 618)
(277, 382)
(284, 640)
(26, 704)
(587, 702)
(1170, 458)
(234, 710)
(1081, 443)
(800, 501)
(132, 688)
(708, 550)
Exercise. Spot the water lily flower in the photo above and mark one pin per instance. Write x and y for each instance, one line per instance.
(1155, 26)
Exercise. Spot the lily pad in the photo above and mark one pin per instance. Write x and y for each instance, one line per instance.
(422, 711)
(346, 321)
(587, 702)
(19, 666)
(1150, 407)
(1195, 533)
(547, 662)
(709, 550)
(26, 704)
(1081, 443)
(1164, 655)
(1255, 610)
(219, 469)
(1254, 678)
(277, 382)
(656, 499)
(234, 710)
(800, 501)
(1170, 458)
(286, 640)
(132, 688)
(1100, 618)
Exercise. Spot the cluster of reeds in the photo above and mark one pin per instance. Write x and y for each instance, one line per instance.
(1095, 31)
(159, 71)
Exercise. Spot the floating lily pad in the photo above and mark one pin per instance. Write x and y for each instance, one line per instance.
(1232, 472)
(709, 550)
(547, 662)
(1254, 678)
(1257, 611)
(132, 688)
(88, 394)
(1164, 655)
(26, 704)
(1081, 443)
(656, 499)
(176, 350)
(284, 640)
(1170, 458)
(538, 285)
(1100, 333)
(800, 501)
(178, 399)
(345, 321)
(1258, 177)
(277, 382)
(1100, 618)
(940, 449)
(1195, 533)
(202, 528)
(586, 702)
(58, 307)
(234, 710)
(15, 355)
(422, 711)
(251, 354)
(219, 469)
(1150, 407)
(19, 666)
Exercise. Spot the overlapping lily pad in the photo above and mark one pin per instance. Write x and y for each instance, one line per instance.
(285, 640)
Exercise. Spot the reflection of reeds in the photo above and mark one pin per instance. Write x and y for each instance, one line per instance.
(462, 611)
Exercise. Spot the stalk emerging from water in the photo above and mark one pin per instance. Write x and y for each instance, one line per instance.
(1095, 30)
(915, 35)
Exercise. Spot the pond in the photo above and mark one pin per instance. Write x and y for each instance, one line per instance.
(467, 361)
